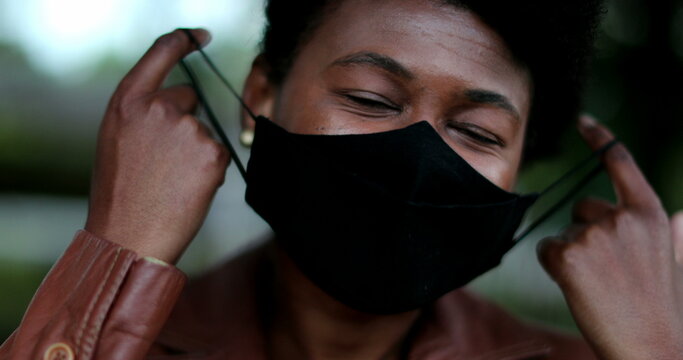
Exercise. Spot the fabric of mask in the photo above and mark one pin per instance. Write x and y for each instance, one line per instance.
(384, 222)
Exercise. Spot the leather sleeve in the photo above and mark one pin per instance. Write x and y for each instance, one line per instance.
(99, 301)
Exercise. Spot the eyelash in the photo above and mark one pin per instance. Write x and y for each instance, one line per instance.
(371, 103)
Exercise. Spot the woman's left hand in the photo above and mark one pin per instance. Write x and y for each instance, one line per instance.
(617, 264)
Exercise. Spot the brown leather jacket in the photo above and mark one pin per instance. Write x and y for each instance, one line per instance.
(100, 301)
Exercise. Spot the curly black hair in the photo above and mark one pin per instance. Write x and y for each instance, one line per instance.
(553, 39)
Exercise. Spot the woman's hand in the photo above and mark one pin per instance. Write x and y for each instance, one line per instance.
(617, 264)
(157, 168)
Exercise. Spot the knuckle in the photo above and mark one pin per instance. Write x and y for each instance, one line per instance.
(122, 90)
(121, 109)
(123, 96)
(657, 214)
(559, 258)
(189, 124)
(220, 154)
(215, 161)
(159, 107)
(590, 235)
(622, 218)
(569, 257)
(116, 103)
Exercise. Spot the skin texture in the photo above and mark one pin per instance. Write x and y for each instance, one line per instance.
(617, 263)
(157, 170)
(157, 167)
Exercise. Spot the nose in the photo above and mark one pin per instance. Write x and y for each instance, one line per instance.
(429, 113)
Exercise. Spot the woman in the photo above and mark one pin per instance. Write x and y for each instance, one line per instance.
(355, 67)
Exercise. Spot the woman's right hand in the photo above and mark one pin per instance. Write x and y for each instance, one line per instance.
(157, 168)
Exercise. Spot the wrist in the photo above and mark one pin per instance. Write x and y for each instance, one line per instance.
(144, 242)
(657, 347)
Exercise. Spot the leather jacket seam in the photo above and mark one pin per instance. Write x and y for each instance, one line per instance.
(91, 306)
(110, 295)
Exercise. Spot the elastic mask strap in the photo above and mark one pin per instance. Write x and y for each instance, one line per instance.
(572, 192)
(205, 104)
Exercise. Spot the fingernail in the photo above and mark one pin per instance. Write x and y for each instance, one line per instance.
(587, 121)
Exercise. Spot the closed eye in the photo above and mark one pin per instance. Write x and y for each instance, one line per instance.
(370, 101)
(478, 134)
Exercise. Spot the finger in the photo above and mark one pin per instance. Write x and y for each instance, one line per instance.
(631, 187)
(182, 96)
(549, 250)
(149, 73)
(591, 210)
(677, 235)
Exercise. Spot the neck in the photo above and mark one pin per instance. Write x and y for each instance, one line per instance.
(309, 324)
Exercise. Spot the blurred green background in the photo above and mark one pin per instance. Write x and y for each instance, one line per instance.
(61, 59)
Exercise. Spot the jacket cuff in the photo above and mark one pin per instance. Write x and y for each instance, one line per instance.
(144, 303)
(98, 297)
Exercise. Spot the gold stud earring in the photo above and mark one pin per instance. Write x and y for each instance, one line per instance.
(247, 137)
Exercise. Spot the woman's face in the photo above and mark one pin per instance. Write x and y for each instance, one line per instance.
(378, 65)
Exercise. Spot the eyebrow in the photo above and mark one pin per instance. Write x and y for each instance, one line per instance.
(374, 59)
(481, 96)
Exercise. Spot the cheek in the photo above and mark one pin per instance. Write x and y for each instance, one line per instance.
(297, 107)
(501, 173)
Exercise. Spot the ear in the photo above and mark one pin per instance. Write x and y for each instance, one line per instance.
(259, 93)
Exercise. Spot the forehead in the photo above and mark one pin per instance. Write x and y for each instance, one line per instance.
(432, 39)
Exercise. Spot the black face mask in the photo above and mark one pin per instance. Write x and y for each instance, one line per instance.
(384, 222)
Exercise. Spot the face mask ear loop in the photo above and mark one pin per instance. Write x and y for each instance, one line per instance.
(212, 118)
(215, 70)
(202, 99)
(579, 166)
(572, 192)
